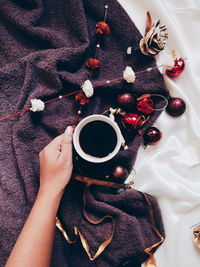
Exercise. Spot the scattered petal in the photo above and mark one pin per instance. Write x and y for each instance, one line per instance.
(129, 75)
(129, 50)
(37, 105)
(88, 88)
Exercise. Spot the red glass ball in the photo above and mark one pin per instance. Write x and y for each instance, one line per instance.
(120, 173)
(93, 63)
(176, 107)
(152, 136)
(132, 121)
(179, 65)
(102, 28)
(126, 101)
(145, 105)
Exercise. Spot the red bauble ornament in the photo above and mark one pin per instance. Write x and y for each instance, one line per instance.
(93, 63)
(82, 98)
(120, 173)
(176, 107)
(102, 28)
(132, 121)
(152, 136)
(179, 65)
(126, 101)
(145, 105)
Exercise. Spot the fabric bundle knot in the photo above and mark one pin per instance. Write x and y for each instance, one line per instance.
(155, 37)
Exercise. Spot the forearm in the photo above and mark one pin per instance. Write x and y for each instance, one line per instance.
(34, 245)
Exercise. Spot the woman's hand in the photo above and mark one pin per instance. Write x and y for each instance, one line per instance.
(56, 164)
(34, 244)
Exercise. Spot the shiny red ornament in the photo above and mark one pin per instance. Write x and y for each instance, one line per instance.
(93, 63)
(82, 98)
(152, 136)
(179, 65)
(145, 105)
(126, 101)
(132, 121)
(102, 28)
(120, 173)
(176, 107)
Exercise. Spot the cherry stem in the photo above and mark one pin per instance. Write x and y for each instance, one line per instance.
(106, 12)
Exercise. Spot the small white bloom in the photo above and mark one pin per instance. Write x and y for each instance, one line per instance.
(37, 105)
(112, 117)
(129, 75)
(88, 88)
(129, 50)
(112, 112)
(168, 62)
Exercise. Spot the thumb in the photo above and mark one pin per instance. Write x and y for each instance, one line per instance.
(66, 144)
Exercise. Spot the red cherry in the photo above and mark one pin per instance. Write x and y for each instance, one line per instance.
(152, 136)
(93, 63)
(102, 28)
(119, 173)
(126, 101)
(176, 107)
(145, 105)
(132, 121)
(179, 65)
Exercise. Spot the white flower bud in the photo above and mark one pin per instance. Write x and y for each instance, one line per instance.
(129, 75)
(88, 88)
(37, 105)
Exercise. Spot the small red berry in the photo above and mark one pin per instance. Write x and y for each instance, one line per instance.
(102, 28)
(93, 63)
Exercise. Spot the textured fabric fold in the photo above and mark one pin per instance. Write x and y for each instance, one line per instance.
(44, 46)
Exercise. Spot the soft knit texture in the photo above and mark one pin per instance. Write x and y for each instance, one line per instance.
(43, 49)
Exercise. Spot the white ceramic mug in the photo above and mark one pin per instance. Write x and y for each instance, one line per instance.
(77, 132)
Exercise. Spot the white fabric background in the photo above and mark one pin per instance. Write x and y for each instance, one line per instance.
(170, 170)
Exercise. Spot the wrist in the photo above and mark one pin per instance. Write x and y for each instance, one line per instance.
(51, 194)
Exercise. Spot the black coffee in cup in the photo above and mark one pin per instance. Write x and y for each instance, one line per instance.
(98, 139)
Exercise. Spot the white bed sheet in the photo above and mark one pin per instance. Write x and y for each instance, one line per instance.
(170, 170)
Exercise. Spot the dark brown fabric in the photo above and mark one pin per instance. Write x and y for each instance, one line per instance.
(43, 48)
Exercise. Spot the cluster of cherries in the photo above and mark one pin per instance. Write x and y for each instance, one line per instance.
(145, 106)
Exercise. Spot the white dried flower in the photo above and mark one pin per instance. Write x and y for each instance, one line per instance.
(168, 62)
(112, 117)
(37, 105)
(112, 112)
(129, 50)
(155, 37)
(129, 75)
(88, 88)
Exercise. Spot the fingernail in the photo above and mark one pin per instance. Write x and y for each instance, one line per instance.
(69, 130)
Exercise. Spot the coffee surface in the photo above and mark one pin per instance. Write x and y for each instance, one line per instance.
(98, 139)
